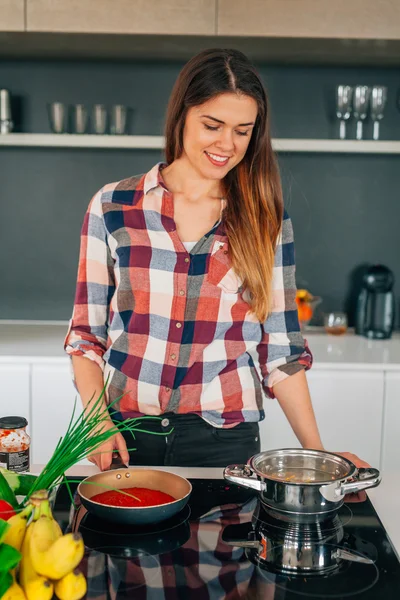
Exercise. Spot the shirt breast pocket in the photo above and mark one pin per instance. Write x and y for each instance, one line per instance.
(221, 272)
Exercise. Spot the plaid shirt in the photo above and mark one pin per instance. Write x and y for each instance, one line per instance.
(171, 329)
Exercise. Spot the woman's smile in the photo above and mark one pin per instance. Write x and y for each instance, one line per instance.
(217, 159)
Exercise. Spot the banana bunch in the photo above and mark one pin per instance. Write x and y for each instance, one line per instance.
(49, 558)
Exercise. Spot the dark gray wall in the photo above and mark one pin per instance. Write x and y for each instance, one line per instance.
(345, 208)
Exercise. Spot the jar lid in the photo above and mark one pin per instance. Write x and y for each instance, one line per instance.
(13, 422)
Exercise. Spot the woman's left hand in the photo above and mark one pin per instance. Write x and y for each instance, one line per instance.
(358, 496)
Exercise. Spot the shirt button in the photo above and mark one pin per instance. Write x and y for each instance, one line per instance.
(173, 356)
(167, 389)
(181, 292)
(179, 325)
(165, 422)
(187, 259)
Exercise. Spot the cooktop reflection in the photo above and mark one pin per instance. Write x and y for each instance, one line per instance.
(201, 553)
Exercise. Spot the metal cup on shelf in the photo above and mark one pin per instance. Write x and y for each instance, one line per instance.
(361, 98)
(78, 118)
(378, 103)
(118, 119)
(99, 120)
(344, 95)
(58, 117)
(6, 122)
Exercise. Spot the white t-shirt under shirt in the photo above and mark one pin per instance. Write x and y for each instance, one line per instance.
(189, 245)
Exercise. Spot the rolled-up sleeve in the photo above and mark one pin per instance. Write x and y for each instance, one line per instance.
(88, 328)
(283, 351)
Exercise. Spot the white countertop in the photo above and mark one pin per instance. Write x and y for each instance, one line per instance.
(385, 497)
(36, 341)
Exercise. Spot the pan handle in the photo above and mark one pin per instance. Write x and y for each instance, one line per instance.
(243, 475)
(364, 479)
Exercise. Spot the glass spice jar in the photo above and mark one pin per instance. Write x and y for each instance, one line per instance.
(14, 444)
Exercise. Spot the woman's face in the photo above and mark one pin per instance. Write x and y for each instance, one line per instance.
(217, 133)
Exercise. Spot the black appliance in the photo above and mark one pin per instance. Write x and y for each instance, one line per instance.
(376, 304)
(201, 554)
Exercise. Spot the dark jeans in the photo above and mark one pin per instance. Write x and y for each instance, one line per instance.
(193, 442)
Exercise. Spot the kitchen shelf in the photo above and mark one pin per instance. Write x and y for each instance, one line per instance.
(156, 142)
(71, 140)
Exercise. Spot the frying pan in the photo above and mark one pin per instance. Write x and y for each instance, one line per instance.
(178, 487)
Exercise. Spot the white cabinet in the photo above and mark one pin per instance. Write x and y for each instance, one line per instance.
(14, 391)
(52, 396)
(391, 439)
(349, 410)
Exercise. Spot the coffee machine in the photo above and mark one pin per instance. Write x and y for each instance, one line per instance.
(376, 304)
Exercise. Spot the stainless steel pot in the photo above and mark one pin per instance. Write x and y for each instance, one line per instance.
(294, 547)
(301, 481)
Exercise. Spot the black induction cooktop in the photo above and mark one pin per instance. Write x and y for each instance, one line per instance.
(200, 553)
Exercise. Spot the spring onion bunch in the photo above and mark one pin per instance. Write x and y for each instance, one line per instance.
(83, 436)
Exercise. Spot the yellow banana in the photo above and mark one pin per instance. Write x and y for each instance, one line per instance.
(44, 535)
(14, 592)
(71, 587)
(57, 530)
(35, 586)
(45, 532)
(60, 558)
(18, 523)
(54, 555)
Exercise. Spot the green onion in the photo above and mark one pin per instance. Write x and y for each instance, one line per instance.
(83, 437)
(106, 488)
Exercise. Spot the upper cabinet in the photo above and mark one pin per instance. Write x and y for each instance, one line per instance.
(12, 17)
(173, 17)
(358, 19)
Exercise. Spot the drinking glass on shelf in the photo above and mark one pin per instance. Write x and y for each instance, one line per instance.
(360, 105)
(378, 103)
(335, 323)
(344, 94)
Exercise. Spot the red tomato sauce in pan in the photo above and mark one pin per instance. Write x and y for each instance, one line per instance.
(146, 497)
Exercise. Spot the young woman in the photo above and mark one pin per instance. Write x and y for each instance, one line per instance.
(185, 300)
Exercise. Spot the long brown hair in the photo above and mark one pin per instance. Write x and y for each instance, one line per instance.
(254, 208)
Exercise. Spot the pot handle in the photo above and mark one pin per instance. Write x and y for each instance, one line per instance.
(244, 476)
(352, 557)
(365, 478)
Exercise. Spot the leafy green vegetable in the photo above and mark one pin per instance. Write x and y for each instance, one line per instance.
(9, 557)
(6, 493)
(5, 582)
(4, 527)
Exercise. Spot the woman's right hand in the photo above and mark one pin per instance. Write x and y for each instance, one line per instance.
(103, 455)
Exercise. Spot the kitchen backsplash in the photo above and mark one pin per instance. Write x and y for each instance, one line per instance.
(344, 207)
